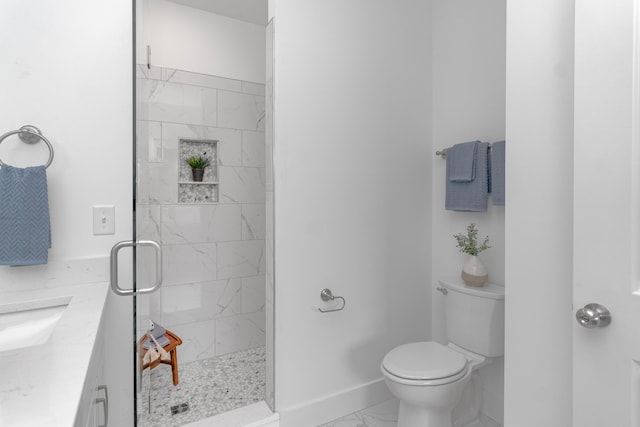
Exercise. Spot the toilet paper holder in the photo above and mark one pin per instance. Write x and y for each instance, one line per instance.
(327, 295)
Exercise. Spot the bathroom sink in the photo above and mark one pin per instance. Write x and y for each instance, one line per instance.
(29, 323)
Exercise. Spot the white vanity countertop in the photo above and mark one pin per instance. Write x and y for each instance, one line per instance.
(42, 385)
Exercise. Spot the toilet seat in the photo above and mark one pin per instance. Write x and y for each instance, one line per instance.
(424, 363)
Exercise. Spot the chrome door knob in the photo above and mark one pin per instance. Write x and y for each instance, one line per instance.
(593, 316)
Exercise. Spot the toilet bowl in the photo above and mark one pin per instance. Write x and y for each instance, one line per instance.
(428, 378)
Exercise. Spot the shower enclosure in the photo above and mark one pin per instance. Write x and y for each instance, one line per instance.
(212, 235)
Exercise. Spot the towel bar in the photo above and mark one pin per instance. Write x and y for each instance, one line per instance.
(443, 153)
(30, 135)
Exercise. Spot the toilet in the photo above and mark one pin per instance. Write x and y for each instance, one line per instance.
(428, 378)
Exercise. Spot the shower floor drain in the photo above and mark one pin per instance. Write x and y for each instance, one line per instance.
(178, 409)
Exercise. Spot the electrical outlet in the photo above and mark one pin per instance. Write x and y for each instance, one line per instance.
(104, 220)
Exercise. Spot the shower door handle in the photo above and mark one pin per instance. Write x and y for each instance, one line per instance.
(114, 267)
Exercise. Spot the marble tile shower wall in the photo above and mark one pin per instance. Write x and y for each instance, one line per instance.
(213, 293)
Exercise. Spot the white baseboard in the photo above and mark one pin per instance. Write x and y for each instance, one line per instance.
(330, 407)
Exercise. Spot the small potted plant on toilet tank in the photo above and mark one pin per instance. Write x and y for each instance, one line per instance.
(198, 164)
(474, 272)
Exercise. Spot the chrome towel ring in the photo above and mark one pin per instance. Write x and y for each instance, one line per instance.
(30, 135)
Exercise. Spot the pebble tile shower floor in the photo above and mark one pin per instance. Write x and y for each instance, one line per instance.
(208, 387)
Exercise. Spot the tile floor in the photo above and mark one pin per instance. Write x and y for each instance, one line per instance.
(215, 386)
(208, 387)
(382, 415)
(386, 415)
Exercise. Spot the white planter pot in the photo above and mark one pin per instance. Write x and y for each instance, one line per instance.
(474, 273)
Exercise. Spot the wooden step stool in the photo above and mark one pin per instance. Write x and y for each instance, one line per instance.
(171, 348)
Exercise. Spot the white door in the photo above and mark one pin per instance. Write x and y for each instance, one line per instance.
(606, 375)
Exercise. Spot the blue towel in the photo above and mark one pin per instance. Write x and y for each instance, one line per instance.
(25, 230)
(461, 159)
(157, 330)
(469, 196)
(497, 173)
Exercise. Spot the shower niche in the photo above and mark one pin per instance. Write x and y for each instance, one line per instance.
(190, 191)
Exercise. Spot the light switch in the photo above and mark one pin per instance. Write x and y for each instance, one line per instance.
(104, 220)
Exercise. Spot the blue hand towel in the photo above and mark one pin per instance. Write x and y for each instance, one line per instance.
(25, 230)
(461, 159)
(157, 330)
(498, 173)
(469, 196)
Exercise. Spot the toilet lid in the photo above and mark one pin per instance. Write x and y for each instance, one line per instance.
(424, 361)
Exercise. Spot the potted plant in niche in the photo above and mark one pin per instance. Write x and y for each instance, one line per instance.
(473, 272)
(198, 164)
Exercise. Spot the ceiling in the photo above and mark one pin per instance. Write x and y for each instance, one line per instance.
(254, 11)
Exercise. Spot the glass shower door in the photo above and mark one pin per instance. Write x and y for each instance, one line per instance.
(214, 301)
(155, 347)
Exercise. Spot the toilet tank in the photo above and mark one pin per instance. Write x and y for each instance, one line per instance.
(475, 317)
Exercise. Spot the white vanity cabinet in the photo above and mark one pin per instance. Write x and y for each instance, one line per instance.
(93, 409)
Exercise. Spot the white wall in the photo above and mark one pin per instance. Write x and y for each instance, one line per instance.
(271, 9)
(538, 229)
(194, 40)
(352, 159)
(67, 69)
(468, 104)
